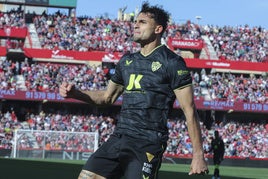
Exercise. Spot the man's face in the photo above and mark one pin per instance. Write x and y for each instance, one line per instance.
(144, 28)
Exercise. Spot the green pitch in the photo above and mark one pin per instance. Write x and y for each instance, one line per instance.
(173, 170)
(55, 169)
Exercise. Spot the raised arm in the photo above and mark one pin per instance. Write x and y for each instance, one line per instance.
(186, 100)
(102, 97)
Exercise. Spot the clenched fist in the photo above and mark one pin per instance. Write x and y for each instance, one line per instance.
(67, 90)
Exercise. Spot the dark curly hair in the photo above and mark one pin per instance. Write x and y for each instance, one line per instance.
(157, 12)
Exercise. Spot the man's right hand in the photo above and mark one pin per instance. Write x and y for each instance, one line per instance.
(67, 90)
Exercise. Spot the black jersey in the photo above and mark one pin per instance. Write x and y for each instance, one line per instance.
(148, 95)
(217, 145)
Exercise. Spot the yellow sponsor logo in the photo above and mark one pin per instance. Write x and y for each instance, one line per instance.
(182, 72)
(134, 82)
(149, 156)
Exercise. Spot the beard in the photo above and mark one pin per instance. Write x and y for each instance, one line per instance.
(143, 40)
(135, 38)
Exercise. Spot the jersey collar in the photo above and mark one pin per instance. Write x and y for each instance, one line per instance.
(151, 51)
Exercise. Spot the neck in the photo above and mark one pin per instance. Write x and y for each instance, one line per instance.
(148, 48)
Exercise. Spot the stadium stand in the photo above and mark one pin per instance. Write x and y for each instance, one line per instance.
(242, 139)
(233, 101)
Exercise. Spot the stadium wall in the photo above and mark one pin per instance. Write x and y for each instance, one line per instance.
(238, 162)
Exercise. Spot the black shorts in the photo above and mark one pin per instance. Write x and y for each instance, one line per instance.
(126, 156)
(217, 160)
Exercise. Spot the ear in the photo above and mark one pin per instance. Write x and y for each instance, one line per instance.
(158, 29)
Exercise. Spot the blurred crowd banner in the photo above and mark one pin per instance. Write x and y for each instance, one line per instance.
(223, 105)
(185, 44)
(13, 32)
(114, 57)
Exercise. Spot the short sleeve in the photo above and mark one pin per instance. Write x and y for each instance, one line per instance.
(117, 76)
(179, 74)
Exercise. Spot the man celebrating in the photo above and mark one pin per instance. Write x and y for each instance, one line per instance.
(149, 81)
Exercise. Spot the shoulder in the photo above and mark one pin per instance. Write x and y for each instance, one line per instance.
(127, 56)
(176, 62)
(171, 56)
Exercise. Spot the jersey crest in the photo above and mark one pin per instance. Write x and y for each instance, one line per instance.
(155, 66)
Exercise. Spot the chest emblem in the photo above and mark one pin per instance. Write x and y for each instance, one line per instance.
(155, 66)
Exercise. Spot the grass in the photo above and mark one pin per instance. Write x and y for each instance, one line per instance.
(227, 172)
(68, 169)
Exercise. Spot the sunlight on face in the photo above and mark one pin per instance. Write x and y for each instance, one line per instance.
(144, 28)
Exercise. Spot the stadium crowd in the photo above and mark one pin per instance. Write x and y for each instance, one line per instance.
(243, 140)
(46, 77)
(241, 43)
(59, 31)
(13, 18)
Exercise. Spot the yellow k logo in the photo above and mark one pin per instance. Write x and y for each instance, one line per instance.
(134, 82)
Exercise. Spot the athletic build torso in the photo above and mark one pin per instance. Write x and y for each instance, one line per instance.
(148, 95)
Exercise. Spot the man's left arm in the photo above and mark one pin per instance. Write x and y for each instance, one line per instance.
(186, 100)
